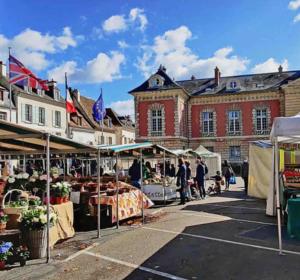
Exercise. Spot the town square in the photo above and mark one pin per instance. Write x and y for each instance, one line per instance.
(149, 139)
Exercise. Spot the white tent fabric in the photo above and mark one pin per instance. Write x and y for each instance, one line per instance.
(284, 130)
(213, 160)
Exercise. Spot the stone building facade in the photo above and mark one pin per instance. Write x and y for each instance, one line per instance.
(222, 113)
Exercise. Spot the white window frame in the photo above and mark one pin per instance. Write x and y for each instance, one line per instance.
(57, 121)
(28, 117)
(261, 120)
(42, 116)
(3, 116)
(234, 121)
(234, 153)
(156, 122)
(208, 122)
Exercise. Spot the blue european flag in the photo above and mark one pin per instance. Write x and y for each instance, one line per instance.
(99, 111)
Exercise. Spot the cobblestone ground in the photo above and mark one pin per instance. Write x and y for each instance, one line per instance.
(222, 237)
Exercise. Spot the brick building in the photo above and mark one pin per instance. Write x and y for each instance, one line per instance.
(222, 113)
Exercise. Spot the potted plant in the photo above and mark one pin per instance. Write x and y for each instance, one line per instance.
(3, 221)
(61, 191)
(22, 254)
(33, 229)
(5, 252)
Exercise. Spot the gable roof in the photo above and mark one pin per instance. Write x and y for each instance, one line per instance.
(168, 82)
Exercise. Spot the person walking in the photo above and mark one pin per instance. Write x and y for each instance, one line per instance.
(188, 192)
(181, 180)
(135, 173)
(227, 173)
(245, 173)
(200, 176)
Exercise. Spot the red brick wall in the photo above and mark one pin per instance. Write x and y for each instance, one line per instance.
(221, 111)
(169, 106)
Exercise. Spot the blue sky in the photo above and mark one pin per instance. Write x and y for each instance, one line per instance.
(116, 44)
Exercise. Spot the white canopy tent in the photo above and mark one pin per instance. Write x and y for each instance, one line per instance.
(284, 130)
(213, 160)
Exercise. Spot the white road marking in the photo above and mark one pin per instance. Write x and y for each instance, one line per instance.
(135, 266)
(217, 216)
(80, 252)
(222, 240)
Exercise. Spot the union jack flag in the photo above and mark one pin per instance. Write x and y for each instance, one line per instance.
(20, 75)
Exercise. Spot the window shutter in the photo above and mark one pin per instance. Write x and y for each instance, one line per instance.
(23, 112)
(53, 118)
(35, 114)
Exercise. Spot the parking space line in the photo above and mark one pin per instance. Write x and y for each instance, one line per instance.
(214, 216)
(135, 266)
(223, 240)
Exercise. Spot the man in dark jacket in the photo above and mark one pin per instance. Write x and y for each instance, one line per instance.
(200, 176)
(135, 173)
(181, 180)
(245, 173)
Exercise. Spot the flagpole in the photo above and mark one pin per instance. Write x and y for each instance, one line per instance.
(10, 95)
(66, 92)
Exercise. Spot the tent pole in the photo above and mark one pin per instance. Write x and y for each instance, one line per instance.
(164, 182)
(142, 193)
(24, 164)
(48, 194)
(65, 169)
(277, 195)
(98, 200)
(117, 184)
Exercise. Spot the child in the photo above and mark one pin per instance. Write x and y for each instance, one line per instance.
(218, 183)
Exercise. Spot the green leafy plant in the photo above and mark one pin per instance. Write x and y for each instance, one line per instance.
(3, 218)
(61, 189)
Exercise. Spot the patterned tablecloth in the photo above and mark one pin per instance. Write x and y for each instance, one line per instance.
(130, 204)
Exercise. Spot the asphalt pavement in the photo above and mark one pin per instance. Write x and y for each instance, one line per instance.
(222, 237)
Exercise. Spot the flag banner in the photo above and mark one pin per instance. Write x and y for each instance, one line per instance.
(69, 103)
(99, 111)
(22, 76)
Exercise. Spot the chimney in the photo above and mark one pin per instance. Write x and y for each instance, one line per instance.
(51, 85)
(280, 69)
(2, 69)
(193, 77)
(217, 76)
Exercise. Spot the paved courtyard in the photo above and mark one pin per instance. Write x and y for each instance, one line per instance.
(223, 237)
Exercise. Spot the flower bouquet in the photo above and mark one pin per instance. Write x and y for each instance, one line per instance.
(18, 181)
(33, 229)
(61, 192)
(5, 252)
(3, 221)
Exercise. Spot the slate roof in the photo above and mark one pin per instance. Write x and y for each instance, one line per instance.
(245, 83)
(168, 82)
(124, 121)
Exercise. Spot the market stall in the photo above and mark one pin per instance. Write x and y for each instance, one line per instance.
(260, 168)
(285, 135)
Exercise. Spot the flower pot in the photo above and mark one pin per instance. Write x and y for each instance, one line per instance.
(59, 200)
(2, 227)
(65, 199)
(36, 241)
(2, 265)
(52, 200)
(22, 262)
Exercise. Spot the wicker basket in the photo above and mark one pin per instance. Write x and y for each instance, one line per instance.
(36, 241)
(14, 210)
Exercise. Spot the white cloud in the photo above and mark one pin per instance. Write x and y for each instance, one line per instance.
(115, 23)
(122, 44)
(103, 68)
(294, 5)
(171, 50)
(138, 15)
(123, 108)
(270, 65)
(118, 23)
(296, 18)
(31, 46)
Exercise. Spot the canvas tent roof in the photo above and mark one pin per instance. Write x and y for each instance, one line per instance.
(16, 139)
(202, 151)
(287, 129)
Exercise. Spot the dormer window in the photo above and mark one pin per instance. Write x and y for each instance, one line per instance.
(156, 81)
(56, 94)
(233, 84)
